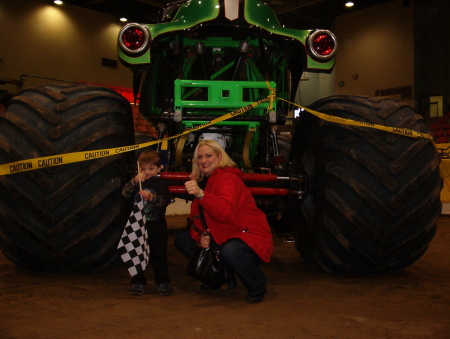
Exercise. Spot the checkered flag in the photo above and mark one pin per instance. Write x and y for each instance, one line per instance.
(133, 246)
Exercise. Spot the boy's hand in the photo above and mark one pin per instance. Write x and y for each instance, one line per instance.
(141, 176)
(146, 195)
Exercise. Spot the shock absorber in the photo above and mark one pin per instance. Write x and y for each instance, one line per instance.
(200, 50)
(244, 48)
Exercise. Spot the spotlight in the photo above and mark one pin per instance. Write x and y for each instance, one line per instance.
(58, 2)
(349, 4)
(123, 19)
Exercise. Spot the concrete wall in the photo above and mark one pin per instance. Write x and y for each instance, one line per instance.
(432, 50)
(376, 50)
(315, 86)
(58, 42)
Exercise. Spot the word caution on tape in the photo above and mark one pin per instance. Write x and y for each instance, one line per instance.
(68, 158)
(62, 159)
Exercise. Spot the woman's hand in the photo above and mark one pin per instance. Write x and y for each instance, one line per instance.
(146, 195)
(192, 188)
(205, 239)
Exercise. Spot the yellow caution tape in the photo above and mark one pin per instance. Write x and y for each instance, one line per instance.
(272, 96)
(397, 130)
(63, 159)
(68, 158)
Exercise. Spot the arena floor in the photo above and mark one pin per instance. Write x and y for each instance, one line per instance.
(301, 302)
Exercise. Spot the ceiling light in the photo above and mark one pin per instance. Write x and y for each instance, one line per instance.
(58, 2)
(123, 19)
(349, 4)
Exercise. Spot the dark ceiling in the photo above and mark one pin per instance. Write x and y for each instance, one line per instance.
(293, 13)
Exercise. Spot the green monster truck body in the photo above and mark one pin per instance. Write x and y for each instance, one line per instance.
(208, 58)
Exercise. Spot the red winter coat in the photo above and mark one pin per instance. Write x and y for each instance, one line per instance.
(230, 212)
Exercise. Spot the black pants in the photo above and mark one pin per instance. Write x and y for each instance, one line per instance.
(157, 239)
(237, 257)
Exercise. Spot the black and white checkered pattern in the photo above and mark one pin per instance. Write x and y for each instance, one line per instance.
(133, 246)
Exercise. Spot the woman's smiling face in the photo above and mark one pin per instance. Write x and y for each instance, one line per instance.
(207, 159)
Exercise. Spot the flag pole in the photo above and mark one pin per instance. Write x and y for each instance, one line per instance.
(140, 184)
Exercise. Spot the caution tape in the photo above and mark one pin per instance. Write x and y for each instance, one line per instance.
(63, 159)
(397, 130)
(68, 158)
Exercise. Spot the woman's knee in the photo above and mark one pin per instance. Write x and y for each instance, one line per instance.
(236, 251)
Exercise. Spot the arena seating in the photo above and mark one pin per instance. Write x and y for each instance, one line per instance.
(440, 128)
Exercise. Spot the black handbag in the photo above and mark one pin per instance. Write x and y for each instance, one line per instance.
(204, 264)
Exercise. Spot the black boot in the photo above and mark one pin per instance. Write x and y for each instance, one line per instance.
(231, 281)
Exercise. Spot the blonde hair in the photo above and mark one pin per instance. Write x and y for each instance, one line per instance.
(225, 162)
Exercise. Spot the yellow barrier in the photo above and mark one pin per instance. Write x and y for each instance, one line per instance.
(62, 159)
(444, 167)
(68, 158)
(443, 149)
(395, 130)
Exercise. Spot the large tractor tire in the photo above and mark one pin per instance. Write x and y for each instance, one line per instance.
(373, 197)
(143, 138)
(67, 217)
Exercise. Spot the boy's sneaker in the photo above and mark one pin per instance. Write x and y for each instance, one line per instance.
(164, 289)
(137, 289)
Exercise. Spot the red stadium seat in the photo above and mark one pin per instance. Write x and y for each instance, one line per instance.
(439, 132)
(435, 126)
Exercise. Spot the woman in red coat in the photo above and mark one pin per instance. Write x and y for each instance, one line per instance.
(235, 224)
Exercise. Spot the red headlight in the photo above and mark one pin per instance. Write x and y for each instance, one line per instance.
(134, 38)
(322, 45)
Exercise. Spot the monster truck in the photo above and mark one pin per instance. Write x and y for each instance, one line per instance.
(355, 198)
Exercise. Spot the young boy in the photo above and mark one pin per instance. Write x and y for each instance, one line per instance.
(155, 193)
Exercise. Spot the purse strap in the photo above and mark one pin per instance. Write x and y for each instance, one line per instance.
(202, 220)
(202, 216)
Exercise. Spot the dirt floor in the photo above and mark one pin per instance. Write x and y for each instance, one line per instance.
(301, 302)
